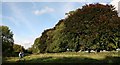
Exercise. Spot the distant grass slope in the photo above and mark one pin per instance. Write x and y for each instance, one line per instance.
(69, 57)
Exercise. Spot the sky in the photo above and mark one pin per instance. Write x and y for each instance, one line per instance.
(28, 19)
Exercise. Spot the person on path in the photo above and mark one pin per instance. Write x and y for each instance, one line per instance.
(21, 55)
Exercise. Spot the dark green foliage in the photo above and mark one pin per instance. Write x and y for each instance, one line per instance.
(29, 50)
(18, 48)
(7, 40)
(95, 26)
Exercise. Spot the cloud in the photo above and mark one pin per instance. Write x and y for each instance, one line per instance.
(70, 0)
(26, 42)
(103, 3)
(115, 3)
(69, 6)
(44, 11)
(1, 20)
(1, 24)
(60, 0)
(16, 0)
(11, 19)
(56, 0)
(119, 8)
(19, 15)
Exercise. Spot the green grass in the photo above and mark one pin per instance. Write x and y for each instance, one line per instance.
(69, 57)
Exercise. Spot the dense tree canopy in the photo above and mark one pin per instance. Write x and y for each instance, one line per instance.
(18, 48)
(94, 26)
(7, 40)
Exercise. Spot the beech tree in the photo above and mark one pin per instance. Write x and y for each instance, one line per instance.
(94, 26)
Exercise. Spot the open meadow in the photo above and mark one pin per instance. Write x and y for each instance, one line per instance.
(68, 57)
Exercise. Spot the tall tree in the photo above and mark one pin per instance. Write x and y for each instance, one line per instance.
(94, 26)
(7, 40)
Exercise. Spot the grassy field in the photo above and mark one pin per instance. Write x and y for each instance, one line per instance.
(69, 57)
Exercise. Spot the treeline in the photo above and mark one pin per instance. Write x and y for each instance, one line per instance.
(93, 27)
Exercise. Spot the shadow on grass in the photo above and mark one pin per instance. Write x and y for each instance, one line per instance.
(108, 59)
